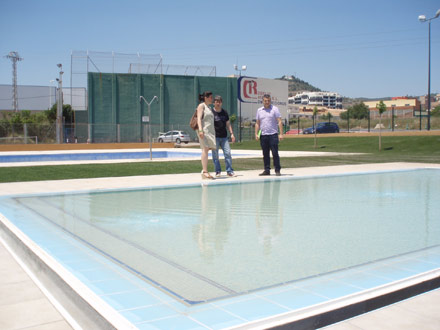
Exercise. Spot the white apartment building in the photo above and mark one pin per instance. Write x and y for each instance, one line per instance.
(321, 99)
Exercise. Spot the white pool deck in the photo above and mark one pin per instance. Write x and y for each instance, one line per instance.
(25, 303)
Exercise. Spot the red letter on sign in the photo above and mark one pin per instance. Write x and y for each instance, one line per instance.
(252, 85)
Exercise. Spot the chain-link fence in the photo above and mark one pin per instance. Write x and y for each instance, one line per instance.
(297, 125)
(11, 133)
(123, 133)
(79, 133)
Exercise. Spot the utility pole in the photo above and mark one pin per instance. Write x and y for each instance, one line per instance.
(422, 18)
(14, 57)
(236, 68)
(59, 122)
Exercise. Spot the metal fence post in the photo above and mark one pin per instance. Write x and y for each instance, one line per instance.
(25, 132)
(392, 119)
(368, 120)
(89, 133)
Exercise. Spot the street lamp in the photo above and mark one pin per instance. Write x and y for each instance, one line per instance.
(149, 120)
(243, 68)
(422, 18)
(236, 68)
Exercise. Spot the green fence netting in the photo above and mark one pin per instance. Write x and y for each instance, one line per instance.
(116, 114)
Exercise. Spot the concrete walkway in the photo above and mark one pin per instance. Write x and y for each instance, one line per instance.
(22, 304)
(420, 312)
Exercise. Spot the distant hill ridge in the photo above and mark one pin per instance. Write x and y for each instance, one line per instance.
(297, 85)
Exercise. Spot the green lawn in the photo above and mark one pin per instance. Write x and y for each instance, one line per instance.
(425, 149)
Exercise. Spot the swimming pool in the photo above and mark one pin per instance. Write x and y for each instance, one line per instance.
(75, 156)
(289, 232)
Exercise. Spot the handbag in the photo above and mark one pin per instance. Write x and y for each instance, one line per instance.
(193, 122)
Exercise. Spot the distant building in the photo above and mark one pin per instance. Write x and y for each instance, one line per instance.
(435, 99)
(34, 98)
(402, 107)
(329, 100)
(287, 77)
(39, 98)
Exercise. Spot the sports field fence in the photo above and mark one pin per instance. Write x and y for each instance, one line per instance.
(122, 133)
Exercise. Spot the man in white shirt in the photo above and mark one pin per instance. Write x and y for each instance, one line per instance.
(269, 121)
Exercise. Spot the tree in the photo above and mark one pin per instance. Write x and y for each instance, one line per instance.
(356, 111)
(344, 115)
(359, 111)
(315, 113)
(327, 116)
(382, 108)
(436, 111)
(67, 113)
(22, 117)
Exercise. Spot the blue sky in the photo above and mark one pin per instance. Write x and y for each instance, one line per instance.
(356, 48)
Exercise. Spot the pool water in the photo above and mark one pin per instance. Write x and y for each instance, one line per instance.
(201, 243)
(42, 157)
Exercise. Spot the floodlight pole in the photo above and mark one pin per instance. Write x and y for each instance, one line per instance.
(236, 68)
(14, 57)
(422, 18)
(149, 121)
(50, 94)
(429, 76)
(59, 121)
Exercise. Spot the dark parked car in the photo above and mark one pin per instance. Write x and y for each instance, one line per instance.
(323, 128)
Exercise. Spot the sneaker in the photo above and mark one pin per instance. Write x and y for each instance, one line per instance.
(278, 173)
(218, 174)
(264, 173)
(231, 174)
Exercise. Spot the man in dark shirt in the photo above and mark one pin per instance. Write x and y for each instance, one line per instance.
(222, 125)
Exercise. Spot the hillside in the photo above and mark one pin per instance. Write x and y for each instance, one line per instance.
(297, 85)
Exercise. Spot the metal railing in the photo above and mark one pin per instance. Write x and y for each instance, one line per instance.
(19, 140)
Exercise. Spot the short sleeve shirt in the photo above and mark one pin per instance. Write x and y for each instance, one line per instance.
(220, 120)
(268, 120)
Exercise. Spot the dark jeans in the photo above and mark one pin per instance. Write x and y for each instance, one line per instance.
(270, 143)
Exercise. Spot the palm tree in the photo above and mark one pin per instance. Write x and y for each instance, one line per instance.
(382, 108)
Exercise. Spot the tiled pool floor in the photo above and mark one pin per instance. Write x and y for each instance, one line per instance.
(147, 307)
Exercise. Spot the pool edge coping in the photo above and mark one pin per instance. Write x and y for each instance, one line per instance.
(357, 302)
(149, 181)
